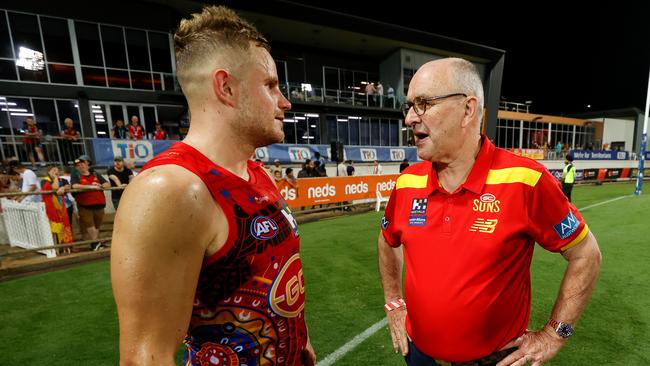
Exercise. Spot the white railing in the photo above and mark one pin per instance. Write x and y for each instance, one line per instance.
(27, 225)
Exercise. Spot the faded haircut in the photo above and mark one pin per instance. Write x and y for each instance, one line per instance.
(205, 38)
(467, 79)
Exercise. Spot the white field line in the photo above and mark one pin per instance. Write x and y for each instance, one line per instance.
(344, 349)
(359, 338)
(605, 202)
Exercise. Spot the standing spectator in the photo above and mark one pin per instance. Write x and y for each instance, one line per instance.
(404, 165)
(370, 93)
(159, 133)
(390, 96)
(380, 93)
(377, 169)
(341, 170)
(119, 176)
(120, 131)
(32, 141)
(350, 168)
(321, 159)
(29, 181)
(135, 129)
(68, 136)
(90, 203)
(568, 176)
(64, 183)
(55, 206)
(558, 150)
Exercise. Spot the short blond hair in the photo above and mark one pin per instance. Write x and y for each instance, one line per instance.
(216, 31)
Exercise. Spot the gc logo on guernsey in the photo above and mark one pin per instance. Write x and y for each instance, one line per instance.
(287, 295)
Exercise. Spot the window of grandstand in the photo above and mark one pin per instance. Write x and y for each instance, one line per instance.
(43, 49)
(538, 135)
(364, 131)
(302, 128)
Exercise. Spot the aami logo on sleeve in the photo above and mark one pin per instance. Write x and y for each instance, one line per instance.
(567, 226)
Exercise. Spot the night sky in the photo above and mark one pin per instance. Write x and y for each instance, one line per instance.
(561, 59)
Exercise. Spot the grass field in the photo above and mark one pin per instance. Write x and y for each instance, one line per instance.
(68, 317)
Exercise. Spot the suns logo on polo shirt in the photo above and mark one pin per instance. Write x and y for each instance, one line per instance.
(567, 226)
(486, 203)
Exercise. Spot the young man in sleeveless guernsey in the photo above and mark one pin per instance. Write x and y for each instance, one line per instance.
(205, 250)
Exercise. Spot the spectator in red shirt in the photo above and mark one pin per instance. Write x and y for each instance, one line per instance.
(159, 133)
(68, 136)
(468, 217)
(135, 129)
(32, 141)
(90, 203)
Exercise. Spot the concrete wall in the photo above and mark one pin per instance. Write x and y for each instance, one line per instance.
(618, 130)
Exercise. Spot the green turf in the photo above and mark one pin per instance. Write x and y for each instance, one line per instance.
(68, 317)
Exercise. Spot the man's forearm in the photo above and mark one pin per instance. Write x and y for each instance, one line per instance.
(579, 281)
(391, 262)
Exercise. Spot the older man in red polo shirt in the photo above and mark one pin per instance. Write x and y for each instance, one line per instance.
(468, 218)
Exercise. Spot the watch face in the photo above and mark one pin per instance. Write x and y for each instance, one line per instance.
(564, 330)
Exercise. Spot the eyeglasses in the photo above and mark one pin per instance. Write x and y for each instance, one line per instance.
(420, 104)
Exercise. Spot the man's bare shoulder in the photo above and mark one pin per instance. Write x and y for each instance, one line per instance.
(167, 189)
(167, 204)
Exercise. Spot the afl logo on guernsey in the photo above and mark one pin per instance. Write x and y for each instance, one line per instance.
(287, 295)
(264, 228)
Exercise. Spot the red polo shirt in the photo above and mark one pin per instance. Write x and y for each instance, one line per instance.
(468, 253)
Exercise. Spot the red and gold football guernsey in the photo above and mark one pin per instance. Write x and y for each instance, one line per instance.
(250, 296)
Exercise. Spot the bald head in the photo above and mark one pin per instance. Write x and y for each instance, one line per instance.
(452, 75)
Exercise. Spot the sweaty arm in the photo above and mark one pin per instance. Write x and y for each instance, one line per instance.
(577, 285)
(166, 225)
(391, 263)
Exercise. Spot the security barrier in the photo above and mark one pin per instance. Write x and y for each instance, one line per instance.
(27, 225)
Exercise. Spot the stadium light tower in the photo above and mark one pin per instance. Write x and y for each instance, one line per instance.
(644, 141)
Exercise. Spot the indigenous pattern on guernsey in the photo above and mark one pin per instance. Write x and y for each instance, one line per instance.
(248, 307)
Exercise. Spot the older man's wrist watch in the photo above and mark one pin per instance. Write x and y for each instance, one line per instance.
(564, 330)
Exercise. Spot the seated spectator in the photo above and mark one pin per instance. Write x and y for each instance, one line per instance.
(305, 172)
(55, 207)
(277, 175)
(290, 178)
(275, 168)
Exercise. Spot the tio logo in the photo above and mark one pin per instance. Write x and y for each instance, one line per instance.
(368, 154)
(397, 154)
(299, 154)
(140, 150)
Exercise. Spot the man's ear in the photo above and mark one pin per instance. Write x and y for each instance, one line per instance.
(471, 110)
(224, 87)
